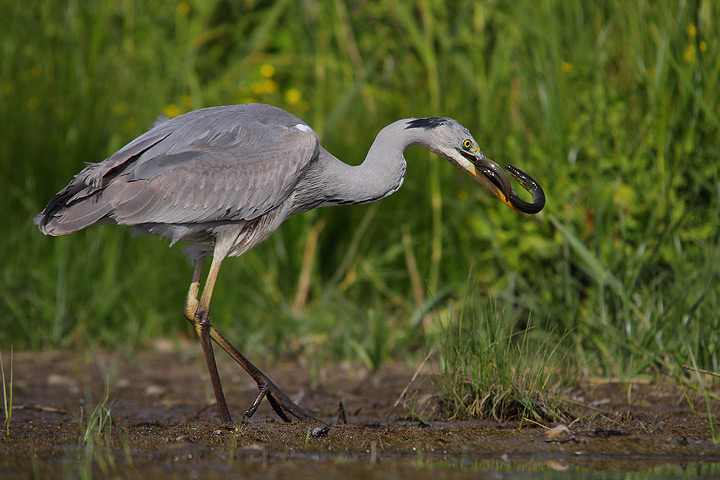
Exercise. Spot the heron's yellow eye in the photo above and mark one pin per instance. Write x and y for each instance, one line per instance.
(467, 144)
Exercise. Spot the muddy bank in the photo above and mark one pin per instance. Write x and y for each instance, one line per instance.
(162, 420)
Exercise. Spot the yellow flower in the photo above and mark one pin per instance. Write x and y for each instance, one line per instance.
(266, 86)
(292, 96)
(702, 46)
(269, 86)
(691, 31)
(183, 8)
(689, 53)
(172, 110)
(267, 70)
(565, 67)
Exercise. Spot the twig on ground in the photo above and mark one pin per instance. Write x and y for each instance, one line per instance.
(407, 387)
(700, 370)
(40, 408)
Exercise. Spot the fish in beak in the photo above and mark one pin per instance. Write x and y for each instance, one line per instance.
(493, 177)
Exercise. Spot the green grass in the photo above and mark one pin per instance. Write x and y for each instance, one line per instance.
(701, 382)
(99, 437)
(7, 389)
(492, 370)
(611, 106)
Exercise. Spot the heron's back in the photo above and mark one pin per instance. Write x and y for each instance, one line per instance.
(192, 174)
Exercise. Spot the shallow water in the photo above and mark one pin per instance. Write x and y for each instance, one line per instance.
(196, 463)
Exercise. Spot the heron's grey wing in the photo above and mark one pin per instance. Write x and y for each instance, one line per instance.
(220, 163)
(238, 172)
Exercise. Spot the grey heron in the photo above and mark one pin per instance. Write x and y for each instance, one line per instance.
(223, 179)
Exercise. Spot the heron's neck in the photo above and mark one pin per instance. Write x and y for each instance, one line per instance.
(380, 175)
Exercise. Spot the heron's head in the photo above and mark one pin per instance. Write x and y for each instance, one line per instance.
(447, 138)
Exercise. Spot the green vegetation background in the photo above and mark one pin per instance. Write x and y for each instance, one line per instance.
(612, 106)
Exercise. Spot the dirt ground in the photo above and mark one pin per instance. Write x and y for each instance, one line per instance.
(164, 423)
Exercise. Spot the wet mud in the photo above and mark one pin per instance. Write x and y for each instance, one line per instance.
(162, 421)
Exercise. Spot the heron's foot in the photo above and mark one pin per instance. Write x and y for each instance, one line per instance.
(280, 402)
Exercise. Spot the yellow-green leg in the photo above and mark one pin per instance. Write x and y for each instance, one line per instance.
(198, 314)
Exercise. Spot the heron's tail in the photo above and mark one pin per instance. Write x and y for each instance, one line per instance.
(81, 203)
(75, 207)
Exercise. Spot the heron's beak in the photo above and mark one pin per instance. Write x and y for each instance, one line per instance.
(493, 177)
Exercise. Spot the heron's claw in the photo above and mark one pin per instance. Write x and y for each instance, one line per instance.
(278, 409)
(279, 402)
(532, 186)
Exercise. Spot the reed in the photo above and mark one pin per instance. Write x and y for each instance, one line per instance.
(612, 106)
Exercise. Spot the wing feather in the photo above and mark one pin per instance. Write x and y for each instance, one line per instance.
(218, 164)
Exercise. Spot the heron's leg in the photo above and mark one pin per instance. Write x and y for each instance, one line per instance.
(280, 402)
(191, 301)
(198, 314)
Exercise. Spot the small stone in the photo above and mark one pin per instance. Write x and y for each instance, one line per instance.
(55, 380)
(153, 390)
(320, 432)
(559, 433)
